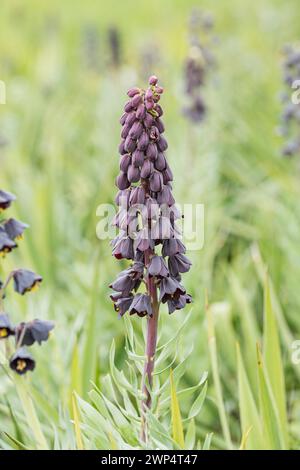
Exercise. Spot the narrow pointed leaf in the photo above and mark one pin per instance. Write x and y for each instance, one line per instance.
(177, 427)
(273, 361)
(248, 410)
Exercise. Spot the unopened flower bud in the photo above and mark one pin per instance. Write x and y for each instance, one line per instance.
(133, 174)
(153, 80)
(125, 161)
(122, 181)
(147, 169)
(132, 92)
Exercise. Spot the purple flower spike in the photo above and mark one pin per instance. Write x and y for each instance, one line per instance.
(147, 213)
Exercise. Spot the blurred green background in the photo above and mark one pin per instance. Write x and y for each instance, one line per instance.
(60, 127)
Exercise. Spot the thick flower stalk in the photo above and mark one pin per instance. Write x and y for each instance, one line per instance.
(290, 117)
(148, 235)
(197, 64)
(25, 333)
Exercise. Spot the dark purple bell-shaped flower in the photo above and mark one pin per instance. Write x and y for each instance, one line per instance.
(6, 199)
(22, 361)
(143, 241)
(6, 328)
(157, 267)
(178, 264)
(121, 303)
(170, 288)
(124, 283)
(14, 228)
(137, 196)
(34, 331)
(179, 303)
(26, 281)
(6, 244)
(141, 305)
(124, 248)
(172, 247)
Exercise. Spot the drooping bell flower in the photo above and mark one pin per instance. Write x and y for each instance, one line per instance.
(6, 199)
(35, 331)
(22, 361)
(6, 244)
(6, 328)
(14, 228)
(26, 281)
(141, 304)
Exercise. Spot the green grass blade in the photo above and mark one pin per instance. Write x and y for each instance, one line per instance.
(76, 384)
(79, 441)
(216, 376)
(273, 361)
(88, 365)
(30, 413)
(248, 410)
(190, 436)
(268, 409)
(177, 427)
